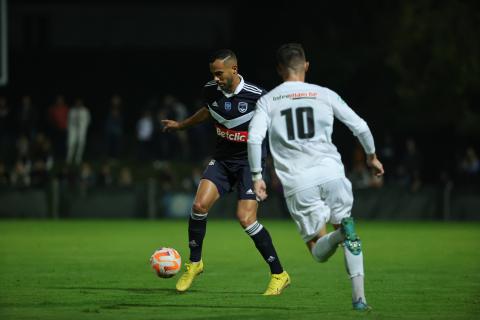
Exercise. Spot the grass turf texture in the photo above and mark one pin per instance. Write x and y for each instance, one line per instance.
(98, 270)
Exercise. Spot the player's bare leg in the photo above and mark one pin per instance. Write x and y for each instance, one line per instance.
(247, 216)
(205, 197)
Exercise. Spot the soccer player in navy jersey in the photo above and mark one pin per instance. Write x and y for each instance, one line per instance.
(230, 101)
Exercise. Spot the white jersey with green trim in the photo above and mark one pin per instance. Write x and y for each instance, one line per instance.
(299, 119)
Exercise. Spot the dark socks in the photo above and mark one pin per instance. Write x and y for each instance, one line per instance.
(264, 244)
(197, 226)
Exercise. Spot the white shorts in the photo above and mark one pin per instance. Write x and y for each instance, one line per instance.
(312, 208)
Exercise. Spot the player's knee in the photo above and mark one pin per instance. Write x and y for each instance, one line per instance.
(321, 258)
(246, 220)
(199, 208)
(323, 250)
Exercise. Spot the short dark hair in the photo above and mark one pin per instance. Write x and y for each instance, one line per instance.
(222, 54)
(290, 55)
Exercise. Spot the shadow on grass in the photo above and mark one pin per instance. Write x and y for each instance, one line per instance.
(154, 290)
(194, 306)
(134, 290)
(171, 291)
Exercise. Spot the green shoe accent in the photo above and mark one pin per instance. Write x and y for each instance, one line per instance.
(348, 228)
(355, 246)
(361, 306)
(352, 241)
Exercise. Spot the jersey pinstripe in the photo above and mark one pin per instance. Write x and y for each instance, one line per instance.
(232, 114)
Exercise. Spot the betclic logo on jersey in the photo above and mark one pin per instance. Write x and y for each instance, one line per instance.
(232, 135)
(227, 106)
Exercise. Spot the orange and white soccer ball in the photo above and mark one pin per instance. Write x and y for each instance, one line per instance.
(166, 262)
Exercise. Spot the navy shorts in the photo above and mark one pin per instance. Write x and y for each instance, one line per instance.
(226, 174)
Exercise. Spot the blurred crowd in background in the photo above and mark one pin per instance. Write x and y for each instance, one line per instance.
(73, 142)
(38, 143)
(78, 106)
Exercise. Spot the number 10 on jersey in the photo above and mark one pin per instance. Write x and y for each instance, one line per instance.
(304, 122)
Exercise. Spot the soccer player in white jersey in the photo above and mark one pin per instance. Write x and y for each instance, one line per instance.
(299, 119)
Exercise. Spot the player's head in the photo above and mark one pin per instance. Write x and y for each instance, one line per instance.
(224, 68)
(291, 59)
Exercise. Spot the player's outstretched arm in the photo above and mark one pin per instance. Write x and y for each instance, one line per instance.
(200, 116)
(375, 164)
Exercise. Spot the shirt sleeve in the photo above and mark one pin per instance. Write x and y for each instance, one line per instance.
(346, 115)
(357, 125)
(366, 140)
(257, 131)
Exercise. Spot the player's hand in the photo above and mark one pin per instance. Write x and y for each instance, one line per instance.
(170, 125)
(260, 189)
(375, 165)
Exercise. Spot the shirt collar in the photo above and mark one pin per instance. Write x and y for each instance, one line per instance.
(237, 89)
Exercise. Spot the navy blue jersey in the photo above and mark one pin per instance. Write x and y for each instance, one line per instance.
(232, 114)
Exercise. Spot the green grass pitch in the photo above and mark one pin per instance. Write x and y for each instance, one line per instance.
(98, 270)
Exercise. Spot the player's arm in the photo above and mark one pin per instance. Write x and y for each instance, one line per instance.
(257, 131)
(359, 128)
(200, 116)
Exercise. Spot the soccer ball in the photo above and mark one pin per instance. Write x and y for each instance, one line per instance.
(166, 262)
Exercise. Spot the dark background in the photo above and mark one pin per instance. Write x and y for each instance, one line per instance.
(411, 69)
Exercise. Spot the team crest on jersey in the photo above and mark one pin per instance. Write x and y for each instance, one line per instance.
(228, 106)
(242, 106)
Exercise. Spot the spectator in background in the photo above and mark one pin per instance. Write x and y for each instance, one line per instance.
(78, 122)
(201, 137)
(58, 119)
(197, 173)
(39, 174)
(470, 163)
(114, 128)
(153, 105)
(23, 148)
(469, 167)
(20, 176)
(165, 176)
(177, 111)
(190, 183)
(412, 162)
(86, 177)
(387, 153)
(66, 176)
(162, 141)
(4, 181)
(125, 179)
(27, 117)
(144, 135)
(6, 136)
(42, 151)
(105, 178)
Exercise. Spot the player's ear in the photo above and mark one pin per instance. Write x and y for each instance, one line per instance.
(307, 64)
(235, 69)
